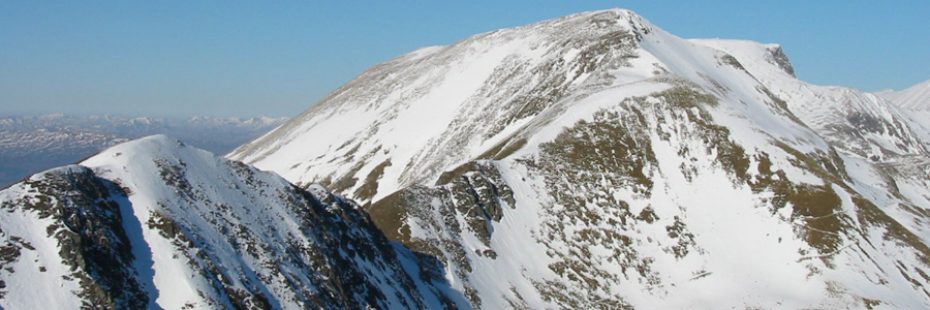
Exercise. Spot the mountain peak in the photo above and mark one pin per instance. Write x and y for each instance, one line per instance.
(523, 71)
(605, 19)
(612, 13)
(158, 139)
(153, 146)
(916, 97)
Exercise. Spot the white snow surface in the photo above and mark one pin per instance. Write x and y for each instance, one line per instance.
(916, 97)
(915, 100)
(43, 255)
(510, 96)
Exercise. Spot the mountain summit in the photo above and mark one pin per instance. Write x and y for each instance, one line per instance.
(405, 121)
(597, 161)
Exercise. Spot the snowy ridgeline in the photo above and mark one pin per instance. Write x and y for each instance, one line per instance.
(154, 222)
(915, 98)
(32, 144)
(916, 101)
(597, 161)
(593, 161)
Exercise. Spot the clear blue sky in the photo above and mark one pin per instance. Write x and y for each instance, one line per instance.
(231, 58)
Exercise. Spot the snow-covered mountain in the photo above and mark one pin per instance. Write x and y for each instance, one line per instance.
(597, 161)
(31, 144)
(916, 102)
(916, 97)
(154, 223)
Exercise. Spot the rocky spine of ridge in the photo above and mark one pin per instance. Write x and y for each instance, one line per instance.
(245, 239)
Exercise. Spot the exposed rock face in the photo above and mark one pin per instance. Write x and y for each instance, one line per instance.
(596, 161)
(465, 205)
(779, 57)
(85, 222)
(156, 223)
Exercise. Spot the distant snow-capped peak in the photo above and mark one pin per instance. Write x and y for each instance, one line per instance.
(916, 97)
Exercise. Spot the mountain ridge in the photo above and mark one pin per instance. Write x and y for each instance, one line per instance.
(915, 100)
(153, 223)
(584, 158)
(916, 97)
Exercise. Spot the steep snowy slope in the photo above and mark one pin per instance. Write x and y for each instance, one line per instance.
(155, 223)
(855, 121)
(916, 101)
(406, 120)
(883, 146)
(597, 161)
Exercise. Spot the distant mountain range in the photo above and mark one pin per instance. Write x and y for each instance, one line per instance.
(29, 144)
